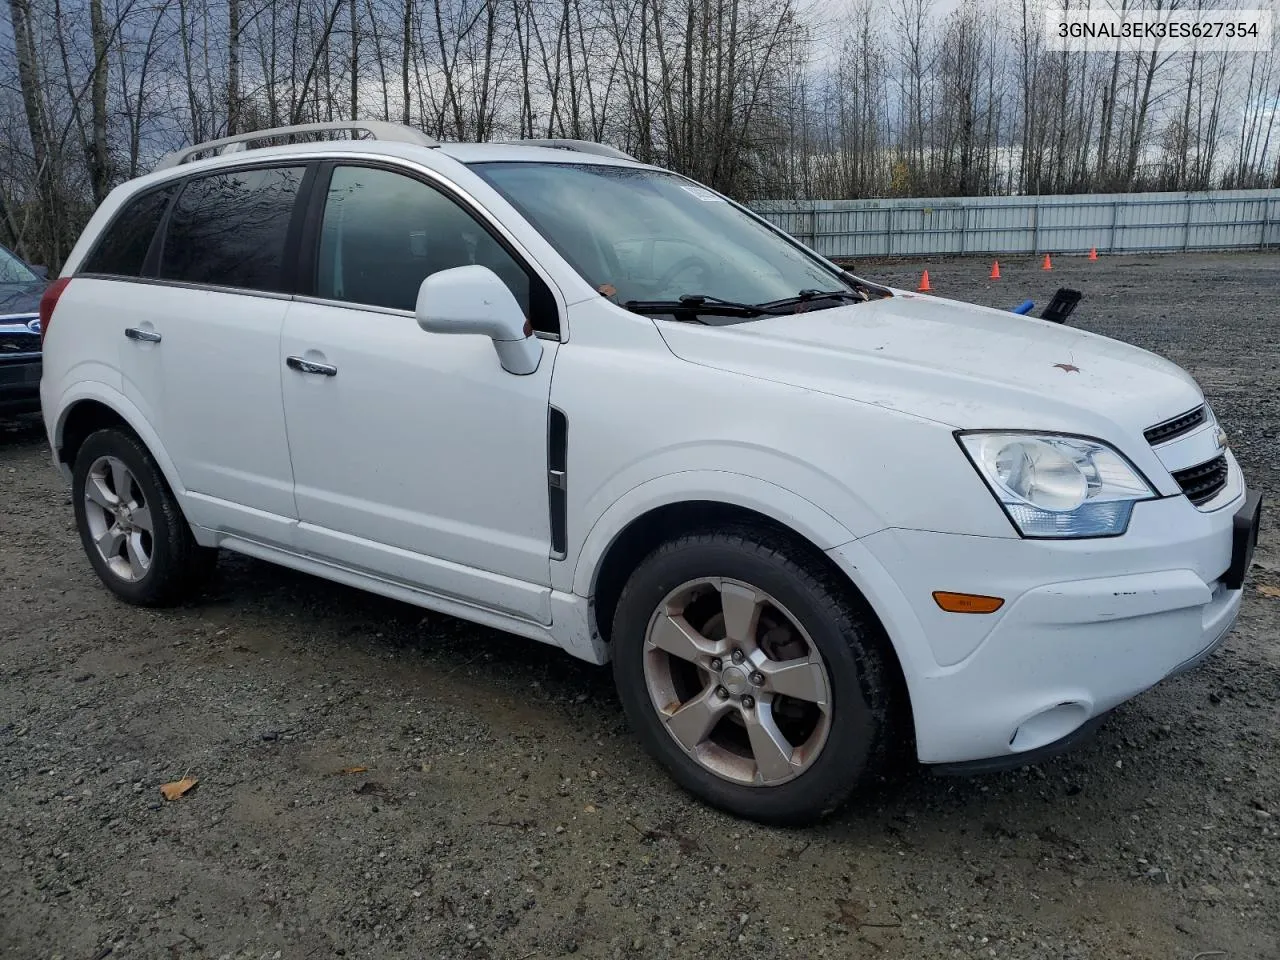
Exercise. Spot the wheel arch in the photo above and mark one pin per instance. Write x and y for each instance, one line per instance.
(643, 533)
(660, 508)
(100, 408)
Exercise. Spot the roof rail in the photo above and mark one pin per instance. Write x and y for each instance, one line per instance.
(377, 130)
(581, 146)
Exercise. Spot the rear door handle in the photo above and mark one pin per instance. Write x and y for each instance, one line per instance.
(145, 336)
(310, 366)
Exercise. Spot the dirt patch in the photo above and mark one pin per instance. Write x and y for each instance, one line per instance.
(376, 781)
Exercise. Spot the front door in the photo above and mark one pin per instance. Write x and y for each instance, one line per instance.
(416, 457)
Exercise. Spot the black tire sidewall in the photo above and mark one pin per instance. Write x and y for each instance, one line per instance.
(857, 725)
(155, 583)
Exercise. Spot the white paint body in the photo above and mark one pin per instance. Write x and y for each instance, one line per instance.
(420, 472)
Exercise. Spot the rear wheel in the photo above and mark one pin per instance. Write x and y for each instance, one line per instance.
(131, 526)
(752, 674)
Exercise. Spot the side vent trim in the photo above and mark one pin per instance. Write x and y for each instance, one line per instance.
(557, 480)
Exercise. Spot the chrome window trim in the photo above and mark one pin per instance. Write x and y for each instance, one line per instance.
(292, 298)
(185, 285)
(385, 311)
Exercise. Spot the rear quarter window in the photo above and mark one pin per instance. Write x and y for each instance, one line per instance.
(121, 251)
(231, 229)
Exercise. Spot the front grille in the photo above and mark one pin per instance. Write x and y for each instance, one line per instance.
(1204, 482)
(13, 343)
(1176, 427)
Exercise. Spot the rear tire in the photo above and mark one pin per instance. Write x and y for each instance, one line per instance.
(130, 524)
(785, 737)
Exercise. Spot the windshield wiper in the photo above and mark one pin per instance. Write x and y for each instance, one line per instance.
(691, 304)
(805, 296)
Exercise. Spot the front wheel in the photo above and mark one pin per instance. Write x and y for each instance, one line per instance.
(752, 675)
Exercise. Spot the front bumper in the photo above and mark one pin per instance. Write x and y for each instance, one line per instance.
(1086, 624)
(20, 385)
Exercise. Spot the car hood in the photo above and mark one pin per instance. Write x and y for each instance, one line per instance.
(20, 298)
(955, 363)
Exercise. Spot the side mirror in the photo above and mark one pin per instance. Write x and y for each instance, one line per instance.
(473, 299)
(40, 271)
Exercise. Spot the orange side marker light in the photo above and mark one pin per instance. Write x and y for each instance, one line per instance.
(966, 602)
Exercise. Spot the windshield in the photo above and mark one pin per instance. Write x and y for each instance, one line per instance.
(13, 270)
(649, 235)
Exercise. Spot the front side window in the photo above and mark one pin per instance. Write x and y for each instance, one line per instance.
(13, 272)
(229, 229)
(383, 233)
(122, 249)
(649, 235)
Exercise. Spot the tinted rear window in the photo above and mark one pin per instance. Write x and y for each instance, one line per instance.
(230, 229)
(122, 249)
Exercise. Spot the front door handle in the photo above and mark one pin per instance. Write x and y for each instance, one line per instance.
(310, 366)
(145, 336)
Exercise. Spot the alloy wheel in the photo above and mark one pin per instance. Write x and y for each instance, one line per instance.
(119, 518)
(737, 681)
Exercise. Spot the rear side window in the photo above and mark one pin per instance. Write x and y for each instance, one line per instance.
(229, 229)
(122, 248)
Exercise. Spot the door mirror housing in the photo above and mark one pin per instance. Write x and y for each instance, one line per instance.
(473, 299)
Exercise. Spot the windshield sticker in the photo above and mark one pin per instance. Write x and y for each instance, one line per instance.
(702, 193)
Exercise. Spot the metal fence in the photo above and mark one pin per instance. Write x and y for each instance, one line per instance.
(1113, 223)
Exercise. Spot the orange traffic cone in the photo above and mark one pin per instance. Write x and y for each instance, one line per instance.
(1093, 253)
(995, 270)
(924, 283)
(1048, 264)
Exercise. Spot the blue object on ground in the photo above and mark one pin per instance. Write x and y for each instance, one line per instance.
(1024, 307)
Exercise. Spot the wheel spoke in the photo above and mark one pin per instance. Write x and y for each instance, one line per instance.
(109, 541)
(674, 635)
(122, 480)
(800, 679)
(138, 559)
(96, 490)
(769, 747)
(142, 518)
(693, 722)
(757, 656)
(741, 606)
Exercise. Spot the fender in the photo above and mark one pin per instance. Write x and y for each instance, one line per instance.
(722, 486)
(109, 396)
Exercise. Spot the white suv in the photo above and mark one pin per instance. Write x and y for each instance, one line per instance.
(550, 389)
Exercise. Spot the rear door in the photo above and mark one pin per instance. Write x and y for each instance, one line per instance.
(200, 348)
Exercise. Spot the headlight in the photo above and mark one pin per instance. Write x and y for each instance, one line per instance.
(1053, 486)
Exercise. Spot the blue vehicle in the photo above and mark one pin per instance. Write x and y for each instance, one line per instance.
(21, 286)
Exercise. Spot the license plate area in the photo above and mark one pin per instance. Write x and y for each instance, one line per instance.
(1244, 540)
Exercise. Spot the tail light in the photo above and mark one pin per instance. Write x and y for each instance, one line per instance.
(48, 302)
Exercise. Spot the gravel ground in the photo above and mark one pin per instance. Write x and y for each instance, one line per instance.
(379, 782)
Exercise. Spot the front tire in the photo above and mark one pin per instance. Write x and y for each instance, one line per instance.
(130, 524)
(753, 674)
